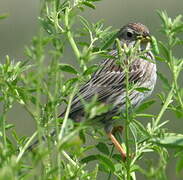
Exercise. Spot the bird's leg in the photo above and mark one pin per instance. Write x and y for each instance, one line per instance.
(117, 145)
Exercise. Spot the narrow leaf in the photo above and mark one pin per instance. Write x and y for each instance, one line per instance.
(103, 148)
(89, 158)
(164, 80)
(68, 68)
(106, 161)
(109, 41)
(179, 164)
(160, 59)
(154, 45)
(3, 16)
(164, 51)
(145, 105)
(93, 0)
(142, 89)
(90, 70)
(90, 5)
(170, 141)
(141, 128)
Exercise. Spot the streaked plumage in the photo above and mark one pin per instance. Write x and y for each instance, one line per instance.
(108, 82)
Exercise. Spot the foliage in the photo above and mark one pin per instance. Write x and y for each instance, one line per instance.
(40, 86)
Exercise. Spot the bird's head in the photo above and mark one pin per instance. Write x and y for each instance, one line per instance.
(132, 32)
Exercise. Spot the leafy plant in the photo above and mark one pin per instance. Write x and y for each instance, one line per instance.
(40, 84)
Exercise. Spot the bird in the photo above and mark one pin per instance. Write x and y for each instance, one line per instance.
(108, 82)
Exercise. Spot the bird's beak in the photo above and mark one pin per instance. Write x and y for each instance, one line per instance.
(145, 41)
(145, 38)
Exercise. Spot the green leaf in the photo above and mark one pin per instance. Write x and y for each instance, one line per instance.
(164, 51)
(164, 80)
(179, 42)
(102, 159)
(85, 23)
(97, 110)
(179, 164)
(82, 135)
(89, 158)
(154, 45)
(141, 128)
(70, 82)
(178, 111)
(109, 40)
(93, 0)
(103, 148)
(90, 70)
(3, 16)
(145, 115)
(9, 126)
(83, 43)
(106, 162)
(147, 59)
(177, 20)
(47, 25)
(87, 148)
(88, 4)
(142, 89)
(145, 105)
(163, 15)
(160, 59)
(170, 141)
(68, 68)
(178, 29)
(134, 168)
(117, 157)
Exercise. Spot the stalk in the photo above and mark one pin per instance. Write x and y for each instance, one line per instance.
(127, 123)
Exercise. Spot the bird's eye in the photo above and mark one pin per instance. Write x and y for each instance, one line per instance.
(129, 34)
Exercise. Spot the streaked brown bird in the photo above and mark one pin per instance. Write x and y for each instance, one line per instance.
(108, 82)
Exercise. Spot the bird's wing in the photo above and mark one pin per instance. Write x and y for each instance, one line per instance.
(107, 83)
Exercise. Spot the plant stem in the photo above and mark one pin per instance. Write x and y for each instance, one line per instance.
(177, 91)
(73, 44)
(127, 123)
(72, 161)
(165, 105)
(25, 147)
(4, 127)
(69, 159)
(69, 34)
(110, 174)
(61, 134)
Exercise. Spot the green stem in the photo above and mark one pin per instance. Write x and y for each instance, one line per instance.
(69, 34)
(165, 105)
(61, 134)
(25, 147)
(177, 92)
(110, 174)
(69, 159)
(127, 125)
(175, 73)
(72, 161)
(4, 128)
(73, 44)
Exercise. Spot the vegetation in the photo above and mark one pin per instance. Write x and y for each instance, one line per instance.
(40, 86)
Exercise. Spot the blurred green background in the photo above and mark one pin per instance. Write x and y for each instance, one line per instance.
(22, 24)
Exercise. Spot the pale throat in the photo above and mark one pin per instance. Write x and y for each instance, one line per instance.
(145, 46)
